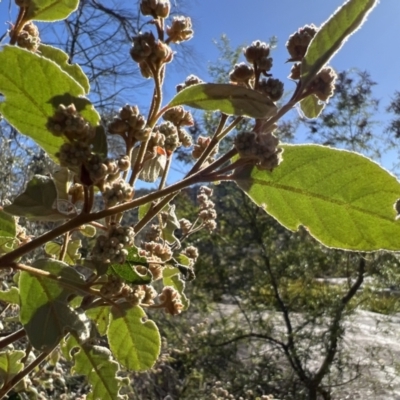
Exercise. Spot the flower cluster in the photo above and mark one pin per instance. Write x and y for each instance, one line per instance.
(28, 38)
(130, 125)
(115, 288)
(207, 211)
(170, 300)
(258, 63)
(112, 248)
(262, 148)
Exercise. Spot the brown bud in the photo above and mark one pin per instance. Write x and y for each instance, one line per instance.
(298, 42)
(155, 8)
(241, 73)
(180, 29)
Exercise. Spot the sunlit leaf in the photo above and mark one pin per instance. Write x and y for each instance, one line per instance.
(72, 254)
(171, 225)
(33, 87)
(8, 244)
(44, 304)
(134, 343)
(50, 10)
(332, 35)
(62, 60)
(343, 199)
(10, 296)
(37, 201)
(10, 364)
(8, 227)
(100, 317)
(127, 270)
(99, 368)
(311, 107)
(229, 99)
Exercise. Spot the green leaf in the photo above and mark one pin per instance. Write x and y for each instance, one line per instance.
(99, 368)
(171, 225)
(101, 318)
(100, 141)
(44, 304)
(34, 87)
(343, 199)
(229, 99)
(37, 201)
(62, 60)
(143, 210)
(63, 179)
(311, 107)
(88, 230)
(171, 277)
(183, 259)
(10, 364)
(10, 296)
(72, 254)
(134, 343)
(8, 227)
(332, 35)
(7, 244)
(50, 10)
(127, 270)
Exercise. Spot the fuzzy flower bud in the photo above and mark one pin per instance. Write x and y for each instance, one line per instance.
(185, 226)
(117, 192)
(298, 42)
(190, 81)
(155, 8)
(179, 116)
(185, 138)
(171, 300)
(180, 29)
(28, 37)
(271, 87)
(241, 73)
(323, 86)
(262, 148)
(256, 51)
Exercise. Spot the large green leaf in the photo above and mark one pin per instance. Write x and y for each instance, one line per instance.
(342, 198)
(10, 364)
(7, 225)
(332, 35)
(33, 87)
(61, 59)
(229, 99)
(50, 10)
(37, 201)
(45, 313)
(134, 343)
(97, 365)
(311, 107)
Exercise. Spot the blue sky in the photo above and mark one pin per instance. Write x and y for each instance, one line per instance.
(375, 48)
